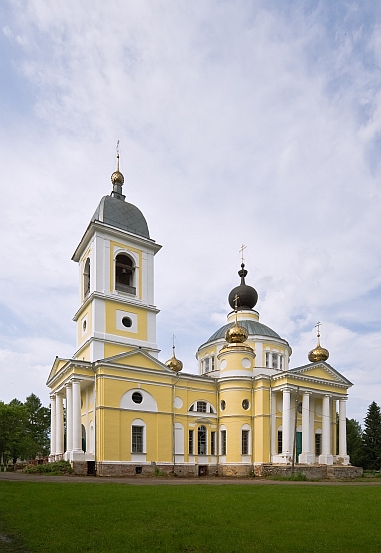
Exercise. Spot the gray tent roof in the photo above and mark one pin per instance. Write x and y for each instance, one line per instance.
(121, 214)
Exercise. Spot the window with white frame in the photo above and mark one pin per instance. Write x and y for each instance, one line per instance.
(223, 442)
(137, 439)
(201, 440)
(86, 278)
(190, 442)
(245, 442)
(213, 443)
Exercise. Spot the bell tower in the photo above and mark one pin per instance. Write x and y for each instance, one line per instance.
(116, 280)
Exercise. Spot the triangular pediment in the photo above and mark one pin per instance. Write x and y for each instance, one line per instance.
(321, 371)
(57, 366)
(135, 358)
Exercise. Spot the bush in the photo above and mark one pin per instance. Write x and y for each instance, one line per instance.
(60, 467)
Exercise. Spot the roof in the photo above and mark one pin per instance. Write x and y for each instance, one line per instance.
(121, 214)
(253, 328)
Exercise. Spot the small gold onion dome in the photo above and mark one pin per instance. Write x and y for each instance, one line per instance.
(117, 178)
(318, 353)
(236, 334)
(173, 363)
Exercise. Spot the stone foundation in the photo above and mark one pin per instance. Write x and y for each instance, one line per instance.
(318, 472)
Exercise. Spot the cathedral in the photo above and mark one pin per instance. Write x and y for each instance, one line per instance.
(116, 410)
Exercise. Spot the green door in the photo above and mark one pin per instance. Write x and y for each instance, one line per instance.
(298, 446)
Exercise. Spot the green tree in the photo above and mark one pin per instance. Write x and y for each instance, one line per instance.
(37, 428)
(13, 419)
(372, 438)
(354, 442)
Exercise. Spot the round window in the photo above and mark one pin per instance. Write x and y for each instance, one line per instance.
(127, 322)
(223, 404)
(245, 404)
(137, 397)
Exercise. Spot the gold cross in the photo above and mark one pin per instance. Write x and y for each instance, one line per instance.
(243, 247)
(318, 328)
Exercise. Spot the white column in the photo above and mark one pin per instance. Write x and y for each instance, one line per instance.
(52, 425)
(306, 456)
(343, 456)
(77, 429)
(274, 441)
(69, 418)
(286, 424)
(312, 428)
(326, 457)
(59, 425)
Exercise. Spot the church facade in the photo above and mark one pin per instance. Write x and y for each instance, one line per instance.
(117, 410)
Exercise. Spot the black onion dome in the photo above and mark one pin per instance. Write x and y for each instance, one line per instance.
(247, 295)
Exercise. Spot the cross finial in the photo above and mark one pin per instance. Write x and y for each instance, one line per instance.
(117, 155)
(318, 324)
(243, 247)
(173, 344)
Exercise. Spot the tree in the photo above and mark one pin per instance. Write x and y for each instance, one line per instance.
(354, 442)
(24, 429)
(371, 438)
(38, 427)
(13, 420)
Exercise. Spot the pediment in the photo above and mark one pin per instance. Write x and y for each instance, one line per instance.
(321, 371)
(135, 358)
(57, 366)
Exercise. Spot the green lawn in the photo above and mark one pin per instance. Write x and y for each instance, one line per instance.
(60, 517)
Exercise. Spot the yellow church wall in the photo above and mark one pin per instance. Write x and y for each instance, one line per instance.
(111, 349)
(125, 248)
(262, 439)
(83, 353)
(318, 372)
(111, 307)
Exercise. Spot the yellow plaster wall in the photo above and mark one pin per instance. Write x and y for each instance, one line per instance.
(112, 307)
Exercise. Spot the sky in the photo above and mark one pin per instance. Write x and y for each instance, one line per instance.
(240, 122)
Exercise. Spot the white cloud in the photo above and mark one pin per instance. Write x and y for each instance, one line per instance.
(238, 123)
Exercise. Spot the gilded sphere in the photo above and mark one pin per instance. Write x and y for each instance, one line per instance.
(117, 178)
(174, 364)
(236, 334)
(318, 354)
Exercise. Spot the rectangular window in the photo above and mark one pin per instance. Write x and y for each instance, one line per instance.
(137, 439)
(318, 444)
(275, 360)
(190, 443)
(206, 365)
(212, 443)
(223, 442)
(201, 434)
(281, 362)
(212, 363)
(280, 443)
(201, 406)
(245, 442)
(268, 359)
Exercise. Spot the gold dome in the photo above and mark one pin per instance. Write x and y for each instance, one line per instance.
(318, 353)
(236, 334)
(173, 363)
(117, 178)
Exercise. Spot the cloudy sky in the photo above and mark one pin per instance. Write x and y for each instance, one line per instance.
(250, 122)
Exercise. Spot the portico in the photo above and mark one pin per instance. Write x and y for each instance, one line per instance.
(305, 405)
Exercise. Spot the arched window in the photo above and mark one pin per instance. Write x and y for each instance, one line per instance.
(201, 440)
(83, 439)
(124, 274)
(86, 278)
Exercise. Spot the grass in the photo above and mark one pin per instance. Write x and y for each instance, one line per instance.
(54, 517)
